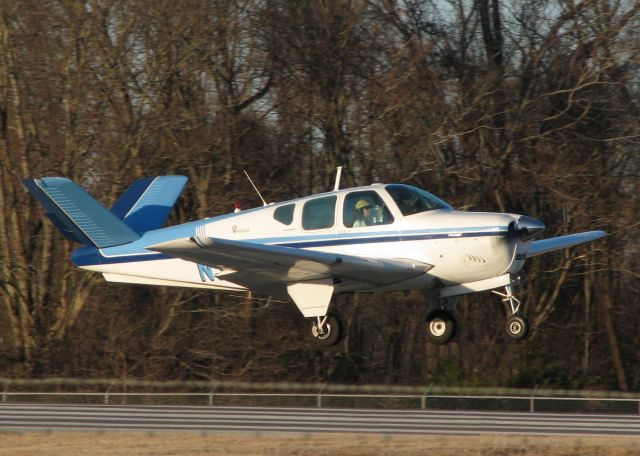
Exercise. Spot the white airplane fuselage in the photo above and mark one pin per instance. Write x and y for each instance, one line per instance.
(460, 247)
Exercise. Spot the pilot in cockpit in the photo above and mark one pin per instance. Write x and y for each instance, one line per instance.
(363, 214)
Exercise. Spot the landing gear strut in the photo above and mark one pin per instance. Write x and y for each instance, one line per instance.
(327, 330)
(517, 326)
(441, 326)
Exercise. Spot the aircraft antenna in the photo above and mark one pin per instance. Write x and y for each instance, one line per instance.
(264, 203)
(338, 174)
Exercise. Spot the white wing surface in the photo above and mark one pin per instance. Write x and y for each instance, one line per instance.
(264, 268)
(563, 242)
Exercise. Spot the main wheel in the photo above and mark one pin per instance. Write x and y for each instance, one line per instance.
(441, 326)
(517, 327)
(330, 333)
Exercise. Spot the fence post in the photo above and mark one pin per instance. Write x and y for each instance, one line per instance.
(319, 397)
(4, 393)
(423, 398)
(211, 393)
(532, 400)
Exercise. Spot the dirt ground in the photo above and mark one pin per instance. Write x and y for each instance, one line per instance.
(273, 444)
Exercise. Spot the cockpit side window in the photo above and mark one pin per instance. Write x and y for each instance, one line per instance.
(365, 208)
(319, 213)
(284, 214)
(412, 200)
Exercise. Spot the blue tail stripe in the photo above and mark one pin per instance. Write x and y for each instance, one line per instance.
(124, 204)
(147, 203)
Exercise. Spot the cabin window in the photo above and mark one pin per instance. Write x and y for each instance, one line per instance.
(319, 213)
(284, 214)
(412, 200)
(365, 209)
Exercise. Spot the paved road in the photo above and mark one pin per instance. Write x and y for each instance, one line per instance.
(271, 419)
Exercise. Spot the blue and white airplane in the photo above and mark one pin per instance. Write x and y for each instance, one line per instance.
(378, 237)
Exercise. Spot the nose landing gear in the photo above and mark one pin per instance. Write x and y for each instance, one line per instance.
(517, 326)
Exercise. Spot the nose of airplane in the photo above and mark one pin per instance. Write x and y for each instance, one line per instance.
(526, 227)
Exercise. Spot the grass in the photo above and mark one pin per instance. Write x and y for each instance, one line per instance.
(274, 444)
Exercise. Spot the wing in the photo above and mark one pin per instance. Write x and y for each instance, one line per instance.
(562, 242)
(263, 267)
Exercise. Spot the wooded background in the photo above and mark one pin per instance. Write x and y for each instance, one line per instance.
(530, 107)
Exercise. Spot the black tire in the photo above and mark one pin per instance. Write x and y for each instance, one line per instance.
(517, 327)
(441, 326)
(333, 334)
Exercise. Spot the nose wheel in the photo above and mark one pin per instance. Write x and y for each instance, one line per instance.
(517, 326)
(327, 330)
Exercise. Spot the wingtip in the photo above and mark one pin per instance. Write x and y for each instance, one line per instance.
(597, 234)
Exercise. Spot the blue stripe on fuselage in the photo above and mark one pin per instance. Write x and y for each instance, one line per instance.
(134, 252)
(397, 238)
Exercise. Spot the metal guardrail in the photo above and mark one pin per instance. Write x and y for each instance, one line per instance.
(319, 395)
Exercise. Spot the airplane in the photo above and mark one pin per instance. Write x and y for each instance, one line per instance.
(381, 237)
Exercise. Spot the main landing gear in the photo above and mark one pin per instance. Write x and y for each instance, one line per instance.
(517, 326)
(327, 330)
(441, 326)
(312, 297)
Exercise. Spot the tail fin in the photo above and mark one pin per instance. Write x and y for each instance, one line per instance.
(147, 202)
(80, 217)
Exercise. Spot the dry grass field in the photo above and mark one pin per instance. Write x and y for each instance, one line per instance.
(273, 444)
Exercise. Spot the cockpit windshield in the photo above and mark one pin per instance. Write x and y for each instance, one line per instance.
(412, 200)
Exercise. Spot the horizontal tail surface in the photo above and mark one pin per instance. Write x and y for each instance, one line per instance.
(147, 203)
(78, 215)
